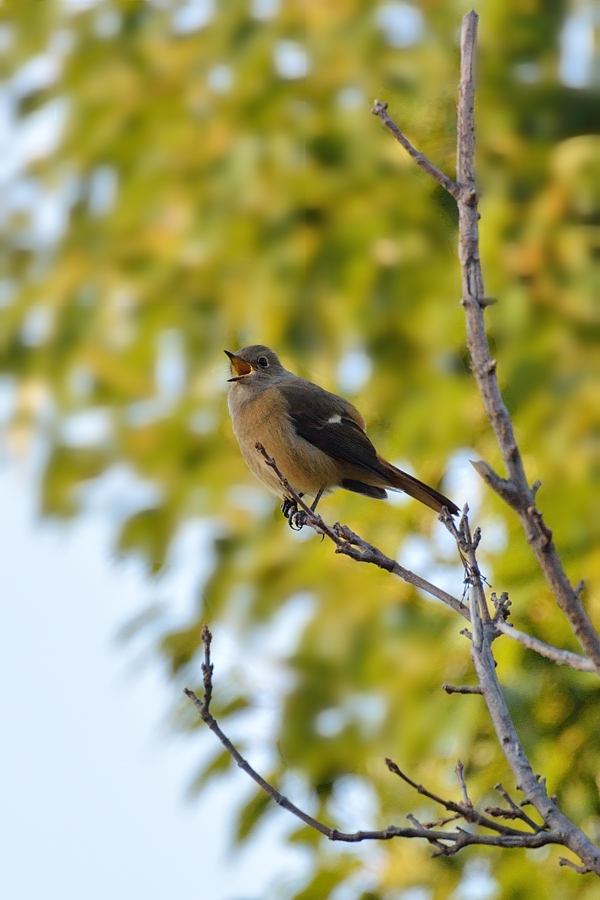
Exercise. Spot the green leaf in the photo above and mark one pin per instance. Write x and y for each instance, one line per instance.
(219, 765)
(251, 814)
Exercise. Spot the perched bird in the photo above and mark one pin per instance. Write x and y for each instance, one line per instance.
(317, 439)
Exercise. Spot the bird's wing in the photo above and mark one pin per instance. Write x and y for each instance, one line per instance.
(330, 423)
(334, 426)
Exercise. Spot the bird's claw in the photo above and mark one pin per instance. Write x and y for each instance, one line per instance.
(297, 519)
(288, 507)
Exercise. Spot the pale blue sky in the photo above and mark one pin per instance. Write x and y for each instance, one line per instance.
(93, 782)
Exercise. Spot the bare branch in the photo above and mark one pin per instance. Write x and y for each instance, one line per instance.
(350, 544)
(560, 657)
(461, 688)
(207, 667)
(467, 547)
(515, 812)
(442, 849)
(504, 488)
(533, 787)
(447, 843)
(502, 606)
(460, 774)
(380, 110)
(581, 870)
(203, 709)
(514, 490)
(443, 820)
(466, 810)
(518, 496)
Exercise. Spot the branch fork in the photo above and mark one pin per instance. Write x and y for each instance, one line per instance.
(446, 843)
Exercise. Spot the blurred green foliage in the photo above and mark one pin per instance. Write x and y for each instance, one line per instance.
(222, 182)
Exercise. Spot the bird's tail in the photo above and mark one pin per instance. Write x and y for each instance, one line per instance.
(402, 481)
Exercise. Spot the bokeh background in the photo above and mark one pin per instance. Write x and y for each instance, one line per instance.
(182, 177)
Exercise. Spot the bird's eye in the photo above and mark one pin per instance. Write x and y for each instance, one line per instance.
(263, 361)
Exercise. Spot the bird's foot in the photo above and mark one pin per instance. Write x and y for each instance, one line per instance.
(296, 517)
(288, 507)
(297, 520)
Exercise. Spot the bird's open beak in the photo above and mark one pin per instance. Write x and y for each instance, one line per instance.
(239, 367)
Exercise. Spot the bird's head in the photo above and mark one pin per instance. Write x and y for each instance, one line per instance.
(253, 363)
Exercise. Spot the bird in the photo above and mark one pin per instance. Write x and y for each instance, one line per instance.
(317, 439)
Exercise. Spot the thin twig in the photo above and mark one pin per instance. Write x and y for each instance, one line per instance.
(380, 110)
(515, 812)
(207, 667)
(203, 709)
(502, 606)
(466, 809)
(426, 832)
(350, 544)
(447, 843)
(520, 498)
(443, 820)
(467, 547)
(560, 657)
(461, 688)
(460, 774)
(581, 870)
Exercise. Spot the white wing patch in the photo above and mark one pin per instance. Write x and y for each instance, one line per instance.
(334, 420)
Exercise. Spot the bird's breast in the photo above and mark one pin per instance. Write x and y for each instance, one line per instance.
(264, 418)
